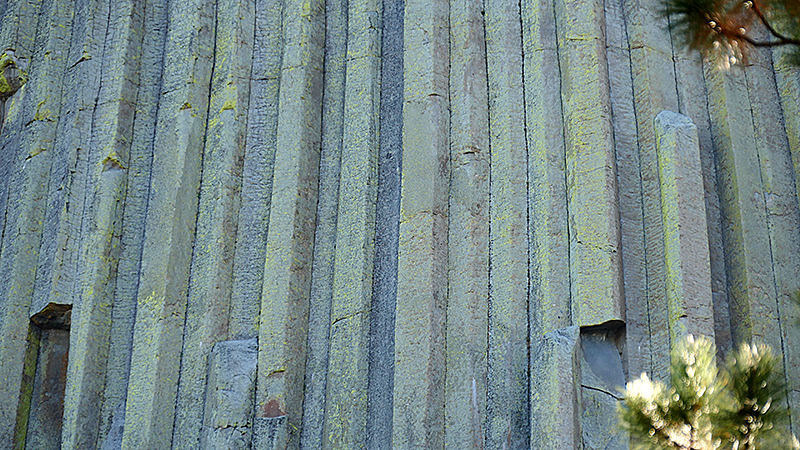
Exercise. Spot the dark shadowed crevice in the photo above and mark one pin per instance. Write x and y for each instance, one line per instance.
(387, 231)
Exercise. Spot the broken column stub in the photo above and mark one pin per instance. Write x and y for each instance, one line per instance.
(228, 417)
(602, 379)
(555, 374)
(686, 252)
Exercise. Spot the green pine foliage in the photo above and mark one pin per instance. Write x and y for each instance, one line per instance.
(740, 407)
(726, 31)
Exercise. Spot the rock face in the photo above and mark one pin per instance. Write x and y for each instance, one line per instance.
(420, 224)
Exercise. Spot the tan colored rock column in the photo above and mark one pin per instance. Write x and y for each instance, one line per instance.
(283, 321)
(170, 227)
(595, 263)
(218, 211)
(346, 400)
(467, 306)
(419, 393)
(629, 184)
(688, 269)
(507, 378)
(30, 149)
(654, 90)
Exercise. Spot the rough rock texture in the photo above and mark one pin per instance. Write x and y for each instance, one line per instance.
(229, 396)
(448, 224)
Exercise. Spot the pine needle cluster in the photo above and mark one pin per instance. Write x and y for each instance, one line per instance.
(726, 31)
(739, 407)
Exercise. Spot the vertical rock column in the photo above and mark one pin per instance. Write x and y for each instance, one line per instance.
(507, 403)
(387, 231)
(653, 83)
(258, 166)
(319, 314)
(595, 263)
(418, 419)
(754, 309)
(138, 170)
(28, 142)
(781, 208)
(547, 194)
(283, 321)
(170, 226)
(348, 363)
(109, 128)
(787, 76)
(629, 184)
(555, 381)
(468, 242)
(17, 31)
(688, 270)
(218, 211)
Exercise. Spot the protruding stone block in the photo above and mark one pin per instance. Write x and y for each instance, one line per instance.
(686, 254)
(228, 417)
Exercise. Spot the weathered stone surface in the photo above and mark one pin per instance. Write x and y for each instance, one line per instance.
(28, 150)
(283, 321)
(407, 205)
(387, 231)
(169, 232)
(468, 241)
(555, 390)
(257, 171)
(211, 282)
(595, 264)
(419, 376)
(148, 93)
(346, 399)
(322, 271)
(780, 205)
(229, 396)
(547, 191)
(686, 254)
(507, 374)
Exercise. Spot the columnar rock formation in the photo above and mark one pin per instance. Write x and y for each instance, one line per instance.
(308, 224)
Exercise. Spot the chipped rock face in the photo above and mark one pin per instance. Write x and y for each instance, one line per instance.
(12, 77)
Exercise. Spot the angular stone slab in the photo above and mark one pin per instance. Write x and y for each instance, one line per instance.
(229, 397)
(686, 253)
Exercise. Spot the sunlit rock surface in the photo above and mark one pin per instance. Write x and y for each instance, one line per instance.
(307, 224)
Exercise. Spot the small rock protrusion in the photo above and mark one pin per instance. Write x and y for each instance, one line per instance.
(12, 77)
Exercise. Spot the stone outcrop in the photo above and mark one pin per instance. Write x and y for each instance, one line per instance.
(307, 224)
